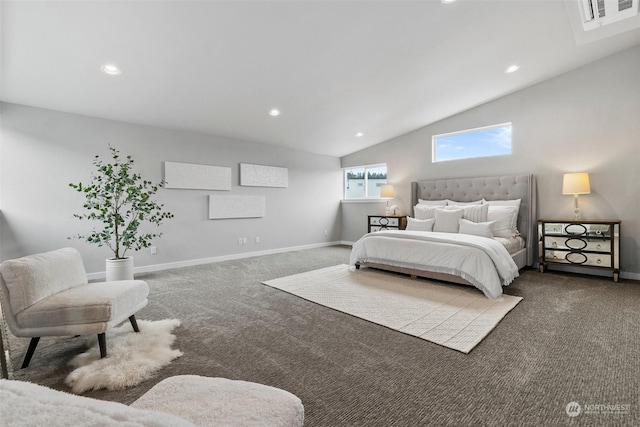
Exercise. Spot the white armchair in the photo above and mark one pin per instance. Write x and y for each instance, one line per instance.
(48, 294)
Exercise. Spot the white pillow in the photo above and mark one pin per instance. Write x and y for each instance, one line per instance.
(424, 211)
(515, 202)
(475, 213)
(447, 220)
(454, 203)
(506, 220)
(420, 224)
(484, 229)
(432, 202)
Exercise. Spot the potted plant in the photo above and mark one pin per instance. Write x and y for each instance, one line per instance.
(121, 201)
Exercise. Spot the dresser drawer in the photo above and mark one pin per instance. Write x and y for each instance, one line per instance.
(579, 258)
(578, 244)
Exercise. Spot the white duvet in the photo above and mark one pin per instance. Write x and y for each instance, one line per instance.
(483, 262)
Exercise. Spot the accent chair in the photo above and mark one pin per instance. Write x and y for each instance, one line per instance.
(48, 294)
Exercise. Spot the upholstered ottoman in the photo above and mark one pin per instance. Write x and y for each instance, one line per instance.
(219, 401)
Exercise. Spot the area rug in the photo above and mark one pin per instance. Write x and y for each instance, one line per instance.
(453, 316)
(132, 357)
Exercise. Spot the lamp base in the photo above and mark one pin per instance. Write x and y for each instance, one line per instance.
(576, 210)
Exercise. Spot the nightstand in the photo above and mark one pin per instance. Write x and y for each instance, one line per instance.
(580, 243)
(387, 222)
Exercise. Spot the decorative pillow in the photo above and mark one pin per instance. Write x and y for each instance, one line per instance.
(420, 224)
(454, 203)
(484, 229)
(424, 211)
(475, 213)
(506, 220)
(447, 220)
(432, 202)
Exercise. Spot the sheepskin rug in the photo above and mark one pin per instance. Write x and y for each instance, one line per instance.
(131, 357)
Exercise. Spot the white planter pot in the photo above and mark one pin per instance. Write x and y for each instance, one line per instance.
(119, 269)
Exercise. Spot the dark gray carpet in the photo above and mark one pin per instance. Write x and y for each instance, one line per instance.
(572, 338)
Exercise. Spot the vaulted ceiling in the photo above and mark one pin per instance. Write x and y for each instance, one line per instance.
(334, 69)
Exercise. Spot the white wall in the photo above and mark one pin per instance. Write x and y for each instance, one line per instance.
(586, 120)
(42, 151)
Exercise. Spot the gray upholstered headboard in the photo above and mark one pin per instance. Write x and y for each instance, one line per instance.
(506, 187)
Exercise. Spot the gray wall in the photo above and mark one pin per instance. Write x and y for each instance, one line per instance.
(42, 151)
(585, 120)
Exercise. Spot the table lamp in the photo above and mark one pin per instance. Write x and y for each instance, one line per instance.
(576, 184)
(386, 192)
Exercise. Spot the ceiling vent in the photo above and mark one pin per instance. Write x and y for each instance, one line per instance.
(597, 13)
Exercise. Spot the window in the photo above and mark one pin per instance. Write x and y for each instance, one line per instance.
(364, 182)
(480, 142)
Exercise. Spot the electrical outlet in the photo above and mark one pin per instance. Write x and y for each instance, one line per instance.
(326, 233)
(154, 250)
(240, 240)
(244, 240)
(257, 239)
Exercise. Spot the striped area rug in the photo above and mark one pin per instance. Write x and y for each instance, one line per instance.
(457, 317)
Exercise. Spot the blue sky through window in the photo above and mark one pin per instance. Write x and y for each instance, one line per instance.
(482, 142)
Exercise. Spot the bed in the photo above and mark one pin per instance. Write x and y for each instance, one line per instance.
(485, 263)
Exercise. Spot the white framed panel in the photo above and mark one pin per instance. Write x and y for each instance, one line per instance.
(263, 176)
(225, 207)
(196, 177)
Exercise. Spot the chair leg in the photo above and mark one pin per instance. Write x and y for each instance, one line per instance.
(102, 342)
(102, 339)
(134, 324)
(32, 348)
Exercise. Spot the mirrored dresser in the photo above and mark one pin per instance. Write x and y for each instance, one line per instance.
(580, 243)
(386, 222)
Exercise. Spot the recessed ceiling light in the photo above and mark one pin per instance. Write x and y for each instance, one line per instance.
(110, 69)
(447, 1)
(359, 134)
(274, 112)
(512, 68)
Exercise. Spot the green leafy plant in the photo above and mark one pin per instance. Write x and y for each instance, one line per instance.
(122, 202)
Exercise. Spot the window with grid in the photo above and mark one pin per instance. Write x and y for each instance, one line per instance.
(364, 182)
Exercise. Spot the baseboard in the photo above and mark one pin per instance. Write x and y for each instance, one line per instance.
(190, 263)
(630, 276)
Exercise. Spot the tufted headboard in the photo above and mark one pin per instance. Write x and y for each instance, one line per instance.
(507, 187)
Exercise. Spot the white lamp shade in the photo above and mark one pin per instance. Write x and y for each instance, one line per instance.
(386, 191)
(576, 183)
